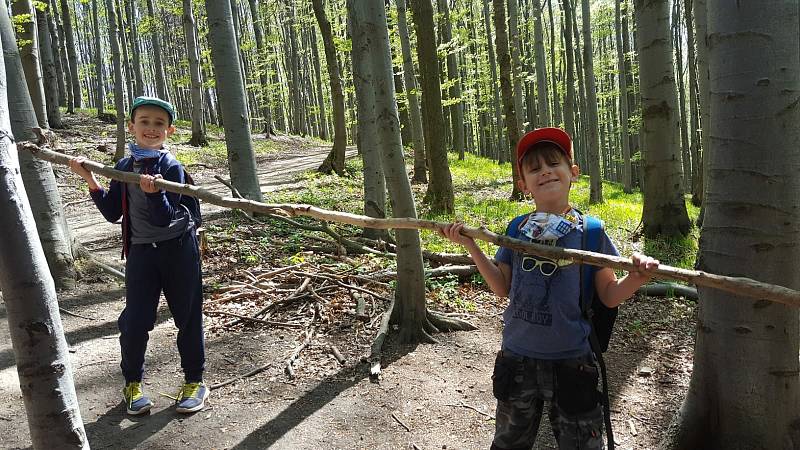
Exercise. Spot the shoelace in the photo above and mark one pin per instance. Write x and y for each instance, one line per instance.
(134, 392)
(189, 390)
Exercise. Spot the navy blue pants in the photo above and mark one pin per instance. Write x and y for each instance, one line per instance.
(174, 267)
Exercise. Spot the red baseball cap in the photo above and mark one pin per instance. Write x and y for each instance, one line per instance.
(553, 135)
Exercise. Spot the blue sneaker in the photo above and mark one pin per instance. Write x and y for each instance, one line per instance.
(135, 400)
(192, 397)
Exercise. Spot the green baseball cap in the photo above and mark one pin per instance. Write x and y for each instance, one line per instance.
(154, 101)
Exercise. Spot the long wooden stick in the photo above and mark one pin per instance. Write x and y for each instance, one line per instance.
(740, 286)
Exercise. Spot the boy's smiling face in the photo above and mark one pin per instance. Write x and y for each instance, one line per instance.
(548, 176)
(150, 127)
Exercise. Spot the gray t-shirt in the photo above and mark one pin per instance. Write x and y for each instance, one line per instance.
(142, 231)
(543, 319)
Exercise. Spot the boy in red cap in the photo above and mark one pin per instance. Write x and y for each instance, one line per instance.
(546, 354)
(160, 243)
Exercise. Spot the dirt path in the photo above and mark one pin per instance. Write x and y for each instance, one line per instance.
(430, 397)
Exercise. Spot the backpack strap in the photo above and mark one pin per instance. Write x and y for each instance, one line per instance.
(590, 240)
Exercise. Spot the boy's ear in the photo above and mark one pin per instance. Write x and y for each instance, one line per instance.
(575, 171)
(130, 126)
(521, 185)
(170, 130)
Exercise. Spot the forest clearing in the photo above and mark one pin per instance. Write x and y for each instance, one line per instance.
(399, 224)
(431, 389)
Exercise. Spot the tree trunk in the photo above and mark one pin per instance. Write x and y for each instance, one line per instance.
(65, 68)
(37, 336)
(409, 311)
(374, 181)
(677, 42)
(556, 101)
(100, 90)
(190, 32)
(50, 79)
(664, 210)
(457, 108)
(138, 84)
(704, 99)
(569, 98)
(298, 122)
(541, 68)
(161, 83)
(502, 155)
(622, 83)
(123, 41)
(119, 89)
(23, 12)
(744, 389)
(335, 160)
(72, 56)
(232, 99)
(418, 139)
(263, 76)
(592, 147)
(504, 59)
(40, 183)
(321, 114)
(440, 188)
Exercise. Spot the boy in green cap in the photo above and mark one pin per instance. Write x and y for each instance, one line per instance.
(160, 243)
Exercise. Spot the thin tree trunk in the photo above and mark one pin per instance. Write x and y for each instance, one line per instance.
(161, 83)
(504, 58)
(700, 151)
(543, 104)
(263, 76)
(72, 56)
(664, 211)
(190, 32)
(50, 76)
(56, 44)
(457, 108)
(100, 89)
(138, 83)
(420, 168)
(335, 160)
(681, 111)
(232, 98)
(556, 101)
(623, 100)
(440, 188)
(119, 89)
(500, 142)
(593, 150)
(569, 98)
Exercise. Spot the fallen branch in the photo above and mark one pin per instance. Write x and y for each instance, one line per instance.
(253, 319)
(736, 285)
(394, 416)
(70, 313)
(239, 377)
(377, 344)
(464, 405)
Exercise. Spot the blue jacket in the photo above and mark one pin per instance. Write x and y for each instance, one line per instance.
(162, 205)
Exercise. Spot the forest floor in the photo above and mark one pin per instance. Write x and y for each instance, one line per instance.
(429, 396)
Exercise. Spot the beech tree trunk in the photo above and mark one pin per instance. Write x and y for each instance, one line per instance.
(72, 56)
(744, 391)
(29, 52)
(119, 87)
(664, 210)
(593, 146)
(704, 99)
(454, 93)
(50, 76)
(417, 137)
(541, 71)
(40, 183)
(622, 99)
(190, 32)
(335, 160)
(440, 187)
(232, 99)
(504, 59)
(100, 88)
(158, 63)
(34, 323)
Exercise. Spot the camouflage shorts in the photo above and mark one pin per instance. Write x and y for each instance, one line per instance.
(523, 385)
